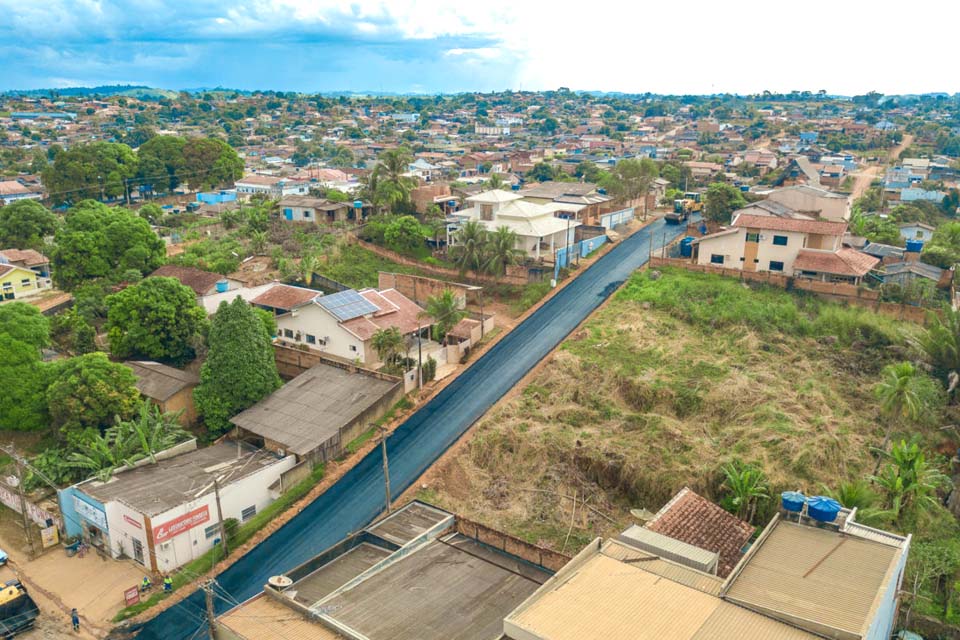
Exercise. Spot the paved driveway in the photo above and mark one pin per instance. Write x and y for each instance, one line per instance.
(357, 498)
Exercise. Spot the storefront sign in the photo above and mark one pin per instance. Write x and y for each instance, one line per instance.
(175, 527)
(130, 521)
(90, 513)
(49, 537)
(131, 596)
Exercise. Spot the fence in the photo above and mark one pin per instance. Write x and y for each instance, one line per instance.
(325, 283)
(38, 515)
(616, 218)
(836, 291)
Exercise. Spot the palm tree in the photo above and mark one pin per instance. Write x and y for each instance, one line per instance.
(900, 397)
(389, 344)
(445, 312)
(308, 267)
(496, 182)
(392, 185)
(908, 479)
(155, 430)
(747, 485)
(470, 251)
(941, 341)
(857, 494)
(501, 251)
(258, 241)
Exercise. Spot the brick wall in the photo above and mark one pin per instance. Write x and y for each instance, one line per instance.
(508, 544)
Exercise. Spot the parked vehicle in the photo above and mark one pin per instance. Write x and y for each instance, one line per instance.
(18, 611)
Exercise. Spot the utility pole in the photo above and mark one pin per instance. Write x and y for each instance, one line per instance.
(481, 312)
(223, 533)
(23, 507)
(386, 466)
(211, 616)
(419, 360)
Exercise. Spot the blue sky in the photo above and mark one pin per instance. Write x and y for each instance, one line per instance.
(438, 46)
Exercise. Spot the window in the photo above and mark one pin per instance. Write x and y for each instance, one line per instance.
(780, 240)
(248, 513)
(753, 237)
(25, 282)
(306, 215)
(919, 234)
(311, 339)
(287, 333)
(776, 266)
(353, 347)
(212, 531)
(716, 258)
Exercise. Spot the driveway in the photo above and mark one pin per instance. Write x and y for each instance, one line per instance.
(357, 498)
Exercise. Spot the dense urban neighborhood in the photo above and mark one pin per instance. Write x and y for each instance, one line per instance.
(500, 366)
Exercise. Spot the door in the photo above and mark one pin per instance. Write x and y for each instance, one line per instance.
(751, 247)
(138, 551)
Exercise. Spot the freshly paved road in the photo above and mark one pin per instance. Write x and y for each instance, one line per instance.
(357, 498)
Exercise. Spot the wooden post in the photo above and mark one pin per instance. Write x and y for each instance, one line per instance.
(23, 506)
(211, 616)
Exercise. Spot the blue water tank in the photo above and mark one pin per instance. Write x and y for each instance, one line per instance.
(515, 187)
(686, 247)
(358, 204)
(451, 203)
(915, 246)
(793, 501)
(222, 286)
(602, 192)
(822, 508)
(745, 188)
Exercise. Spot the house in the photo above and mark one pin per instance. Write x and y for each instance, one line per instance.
(424, 170)
(700, 170)
(20, 282)
(459, 580)
(800, 580)
(11, 191)
(831, 175)
(539, 232)
(897, 178)
(164, 515)
(168, 388)
(761, 159)
(886, 253)
(696, 521)
(203, 283)
(298, 208)
(318, 413)
(813, 201)
(913, 194)
(799, 170)
(582, 201)
(270, 186)
(341, 325)
(909, 272)
(27, 258)
(916, 231)
(794, 246)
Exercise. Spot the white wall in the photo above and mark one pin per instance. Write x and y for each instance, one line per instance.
(768, 251)
(314, 320)
(836, 209)
(124, 530)
(730, 246)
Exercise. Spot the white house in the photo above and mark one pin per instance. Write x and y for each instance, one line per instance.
(164, 515)
(11, 191)
(270, 186)
(916, 231)
(814, 201)
(341, 324)
(792, 246)
(539, 230)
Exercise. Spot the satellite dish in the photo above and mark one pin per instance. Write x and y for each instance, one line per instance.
(642, 515)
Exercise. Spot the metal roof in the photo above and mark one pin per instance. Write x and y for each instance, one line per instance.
(347, 305)
(671, 549)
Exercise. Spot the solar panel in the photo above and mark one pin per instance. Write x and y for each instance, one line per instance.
(347, 305)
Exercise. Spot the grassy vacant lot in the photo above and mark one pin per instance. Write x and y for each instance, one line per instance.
(671, 379)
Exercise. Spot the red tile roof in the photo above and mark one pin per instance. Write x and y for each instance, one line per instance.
(695, 520)
(28, 257)
(197, 279)
(396, 310)
(845, 262)
(775, 223)
(285, 297)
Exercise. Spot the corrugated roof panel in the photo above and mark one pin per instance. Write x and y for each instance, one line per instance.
(671, 549)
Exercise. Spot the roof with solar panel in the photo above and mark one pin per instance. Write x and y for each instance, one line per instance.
(347, 305)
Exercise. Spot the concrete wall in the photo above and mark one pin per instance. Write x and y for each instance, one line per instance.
(540, 556)
(419, 288)
(836, 209)
(181, 401)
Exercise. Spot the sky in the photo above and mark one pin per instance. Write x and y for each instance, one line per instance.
(433, 46)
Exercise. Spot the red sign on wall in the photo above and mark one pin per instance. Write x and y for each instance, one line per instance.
(175, 527)
(132, 522)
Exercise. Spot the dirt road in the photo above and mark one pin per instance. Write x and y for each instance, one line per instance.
(864, 177)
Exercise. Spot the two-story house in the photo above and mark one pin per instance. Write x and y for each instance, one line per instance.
(794, 246)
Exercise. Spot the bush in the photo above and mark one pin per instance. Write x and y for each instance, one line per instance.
(429, 369)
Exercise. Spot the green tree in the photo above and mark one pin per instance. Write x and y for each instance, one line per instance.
(589, 171)
(943, 249)
(389, 345)
(392, 186)
(240, 369)
(97, 241)
(445, 312)
(24, 322)
(23, 403)
(93, 170)
(857, 494)
(501, 251)
(722, 200)
(88, 393)
(746, 485)
(908, 479)
(24, 224)
(471, 249)
(404, 234)
(496, 182)
(209, 163)
(631, 178)
(941, 341)
(903, 392)
(157, 319)
(542, 172)
(161, 163)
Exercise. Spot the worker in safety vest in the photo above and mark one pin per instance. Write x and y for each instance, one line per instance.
(167, 584)
(145, 584)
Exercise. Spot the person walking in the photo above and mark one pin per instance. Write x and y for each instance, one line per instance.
(75, 619)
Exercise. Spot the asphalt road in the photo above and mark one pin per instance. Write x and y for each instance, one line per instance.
(357, 498)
